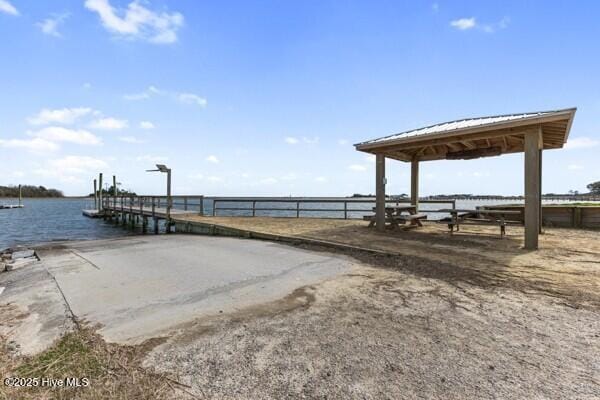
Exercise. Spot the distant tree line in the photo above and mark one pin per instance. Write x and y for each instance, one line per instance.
(29, 191)
(111, 190)
(594, 189)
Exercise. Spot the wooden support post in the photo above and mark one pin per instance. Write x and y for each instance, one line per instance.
(201, 205)
(20, 196)
(100, 192)
(254, 208)
(345, 210)
(115, 192)
(532, 191)
(380, 192)
(155, 225)
(576, 217)
(185, 203)
(131, 220)
(297, 209)
(95, 195)
(540, 194)
(414, 183)
(169, 201)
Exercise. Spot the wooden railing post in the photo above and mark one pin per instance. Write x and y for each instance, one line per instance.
(345, 210)
(297, 209)
(185, 203)
(254, 208)
(214, 207)
(201, 205)
(153, 208)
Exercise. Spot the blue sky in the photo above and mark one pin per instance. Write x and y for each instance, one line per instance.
(267, 97)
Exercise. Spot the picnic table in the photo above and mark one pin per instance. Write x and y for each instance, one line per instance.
(396, 214)
(478, 217)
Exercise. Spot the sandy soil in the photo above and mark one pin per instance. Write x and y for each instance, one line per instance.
(470, 316)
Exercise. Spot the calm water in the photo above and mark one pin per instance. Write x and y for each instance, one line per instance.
(45, 220)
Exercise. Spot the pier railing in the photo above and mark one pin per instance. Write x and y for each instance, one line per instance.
(342, 208)
(191, 203)
(305, 207)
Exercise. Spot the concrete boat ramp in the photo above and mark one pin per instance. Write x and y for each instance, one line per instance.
(141, 287)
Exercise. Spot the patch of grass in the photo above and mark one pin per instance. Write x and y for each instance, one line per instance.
(72, 354)
(114, 371)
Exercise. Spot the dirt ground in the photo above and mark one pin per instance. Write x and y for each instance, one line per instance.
(470, 316)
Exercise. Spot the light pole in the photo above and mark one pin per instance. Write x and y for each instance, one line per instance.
(163, 168)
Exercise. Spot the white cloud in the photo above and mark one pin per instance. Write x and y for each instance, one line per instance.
(435, 7)
(51, 172)
(313, 140)
(61, 134)
(146, 94)
(138, 22)
(147, 125)
(268, 181)
(130, 139)
(191, 98)
(181, 97)
(212, 159)
(87, 86)
(78, 164)
(463, 23)
(370, 158)
(342, 142)
(49, 26)
(8, 8)
(357, 168)
(575, 167)
(581, 143)
(491, 28)
(64, 116)
(320, 179)
(67, 168)
(36, 145)
(109, 124)
(291, 140)
(151, 159)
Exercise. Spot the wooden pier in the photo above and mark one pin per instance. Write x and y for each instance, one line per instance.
(135, 210)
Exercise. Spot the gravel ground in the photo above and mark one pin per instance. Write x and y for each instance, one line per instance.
(395, 332)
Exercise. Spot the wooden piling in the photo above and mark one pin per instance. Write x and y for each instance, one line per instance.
(95, 195)
(100, 192)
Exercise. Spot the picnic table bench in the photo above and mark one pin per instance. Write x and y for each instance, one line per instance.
(479, 217)
(394, 216)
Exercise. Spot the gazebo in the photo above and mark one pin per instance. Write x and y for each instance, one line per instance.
(472, 138)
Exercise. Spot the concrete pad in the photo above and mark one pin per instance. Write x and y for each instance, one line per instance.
(32, 310)
(140, 287)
